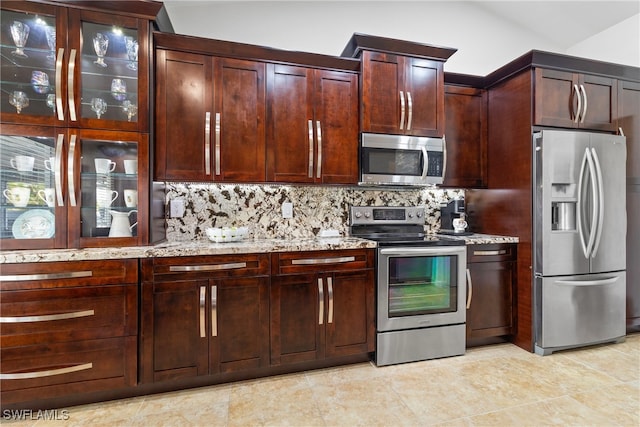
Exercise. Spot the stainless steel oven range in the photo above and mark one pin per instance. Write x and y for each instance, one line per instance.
(421, 286)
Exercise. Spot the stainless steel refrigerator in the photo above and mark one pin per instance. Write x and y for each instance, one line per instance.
(580, 226)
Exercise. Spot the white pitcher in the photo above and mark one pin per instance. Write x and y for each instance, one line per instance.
(120, 224)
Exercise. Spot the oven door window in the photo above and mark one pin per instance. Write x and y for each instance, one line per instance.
(422, 285)
(388, 161)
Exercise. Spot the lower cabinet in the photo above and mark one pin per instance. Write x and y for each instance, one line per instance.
(204, 315)
(68, 329)
(322, 305)
(491, 270)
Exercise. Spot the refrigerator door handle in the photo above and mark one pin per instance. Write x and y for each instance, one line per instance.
(599, 202)
(601, 282)
(579, 209)
(594, 204)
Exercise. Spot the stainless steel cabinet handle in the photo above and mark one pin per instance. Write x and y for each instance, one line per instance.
(410, 105)
(216, 158)
(444, 157)
(310, 123)
(57, 174)
(620, 131)
(319, 165)
(401, 110)
(214, 311)
(70, 89)
(311, 261)
(330, 291)
(208, 267)
(207, 143)
(203, 294)
(47, 373)
(320, 302)
(59, 105)
(470, 289)
(584, 110)
(46, 276)
(577, 114)
(489, 253)
(47, 317)
(71, 172)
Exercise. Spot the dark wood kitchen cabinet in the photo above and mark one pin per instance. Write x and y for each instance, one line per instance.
(402, 85)
(322, 305)
(204, 315)
(69, 331)
(210, 117)
(312, 131)
(575, 100)
(629, 124)
(491, 270)
(466, 137)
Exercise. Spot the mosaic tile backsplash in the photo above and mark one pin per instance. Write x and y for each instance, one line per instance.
(315, 208)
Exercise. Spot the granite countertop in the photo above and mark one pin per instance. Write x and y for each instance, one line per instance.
(204, 247)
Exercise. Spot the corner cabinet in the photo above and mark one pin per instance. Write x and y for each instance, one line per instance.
(322, 305)
(491, 275)
(402, 85)
(204, 315)
(574, 100)
(69, 330)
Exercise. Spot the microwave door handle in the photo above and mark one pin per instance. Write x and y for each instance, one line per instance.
(425, 166)
(444, 157)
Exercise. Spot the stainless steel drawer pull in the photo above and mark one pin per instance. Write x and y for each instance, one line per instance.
(214, 311)
(47, 373)
(488, 253)
(203, 292)
(470, 286)
(330, 291)
(311, 261)
(47, 317)
(45, 276)
(320, 302)
(211, 267)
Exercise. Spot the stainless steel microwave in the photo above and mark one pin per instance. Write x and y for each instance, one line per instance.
(401, 160)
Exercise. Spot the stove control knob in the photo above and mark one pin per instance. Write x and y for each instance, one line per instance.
(410, 215)
(367, 214)
(358, 214)
(419, 214)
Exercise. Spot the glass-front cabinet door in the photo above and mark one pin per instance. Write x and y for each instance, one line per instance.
(107, 188)
(72, 67)
(32, 181)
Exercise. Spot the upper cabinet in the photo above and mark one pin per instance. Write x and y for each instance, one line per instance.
(402, 85)
(574, 100)
(74, 67)
(253, 114)
(312, 125)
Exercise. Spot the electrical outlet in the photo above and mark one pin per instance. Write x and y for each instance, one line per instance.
(177, 208)
(287, 210)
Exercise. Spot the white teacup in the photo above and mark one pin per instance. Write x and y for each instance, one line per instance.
(105, 197)
(49, 196)
(459, 224)
(131, 198)
(104, 165)
(18, 196)
(130, 167)
(49, 163)
(22, 163)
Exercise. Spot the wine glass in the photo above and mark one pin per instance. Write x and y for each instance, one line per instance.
(100, 45)
(130, 108)
(40, 82)
(99, 106)
(132, 52)
(118, 89)
(19, 34)
(50, 32)
(19, 100)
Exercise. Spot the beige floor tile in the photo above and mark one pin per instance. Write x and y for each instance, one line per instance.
(626, 355)
(618, 403)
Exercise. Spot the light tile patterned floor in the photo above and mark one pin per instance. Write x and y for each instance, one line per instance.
(499, 385)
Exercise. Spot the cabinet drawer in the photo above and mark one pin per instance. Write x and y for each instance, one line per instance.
(491, 252)
(204, 267)
(321, 261)
(68, 314)
(41, 275)
(45, 371)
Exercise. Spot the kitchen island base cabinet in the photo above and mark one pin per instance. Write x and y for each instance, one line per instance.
(322, 306)
(204, 316)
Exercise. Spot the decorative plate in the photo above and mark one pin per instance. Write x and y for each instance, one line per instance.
(34, 224)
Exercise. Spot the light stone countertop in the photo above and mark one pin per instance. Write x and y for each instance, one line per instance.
(203, 247)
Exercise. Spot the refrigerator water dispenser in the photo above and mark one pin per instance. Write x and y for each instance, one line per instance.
(563, 216)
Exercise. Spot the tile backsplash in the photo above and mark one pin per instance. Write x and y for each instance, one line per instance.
(259, 207)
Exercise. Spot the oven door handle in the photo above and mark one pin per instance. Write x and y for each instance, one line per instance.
(434, 250)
